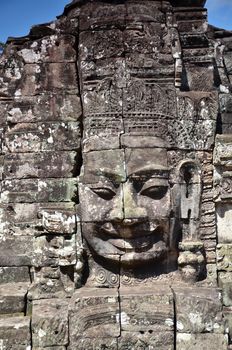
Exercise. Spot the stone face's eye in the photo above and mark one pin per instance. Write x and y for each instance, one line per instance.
(154, 192)
(104, 192)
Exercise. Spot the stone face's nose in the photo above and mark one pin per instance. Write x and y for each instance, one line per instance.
(131, 209)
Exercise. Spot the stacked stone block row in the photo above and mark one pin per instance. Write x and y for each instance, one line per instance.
(222, 172)
(198, 77)
(41, 132)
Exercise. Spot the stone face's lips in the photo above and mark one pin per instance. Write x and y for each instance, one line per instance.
(137, 244)
(157, 251)
(133, 231)
(134, 239)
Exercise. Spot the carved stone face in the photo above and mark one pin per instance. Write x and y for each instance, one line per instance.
(125, 204)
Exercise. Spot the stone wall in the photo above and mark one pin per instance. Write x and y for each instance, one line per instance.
(116, 172)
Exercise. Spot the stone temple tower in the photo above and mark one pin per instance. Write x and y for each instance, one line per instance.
(116, 180)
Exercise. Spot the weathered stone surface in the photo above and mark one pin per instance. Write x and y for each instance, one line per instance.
(50, 348)
(59, 222)
(191, 261)
(34, 219)
(96, 164)
(94, 313)
(226, 128)
(225, 283)
(186, 341)
(228, 58)
(13, 297)
(43, 108)
(224, 254)
(54, 48)
(38, 190)
(49, 323)
(225, 103)
(148, 340)
(99, 343)
(36, 78)
(227, 312)
(14, 274)
(20, 214)
(31, 137)
(150, 310)
(103, 277)
(222, 184)
(204, 107)
(223, 151)
(15, 333)
(200, 77)
(224, 220)
(198, 310)
(40, 165)
(52, 282)
(54, 251)
(16, 251)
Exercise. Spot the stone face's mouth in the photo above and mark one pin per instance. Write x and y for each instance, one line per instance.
(133, 244)
(137, 238)
(130, 244)
(155, 252)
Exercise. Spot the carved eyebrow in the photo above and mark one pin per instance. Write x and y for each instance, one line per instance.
(111, 175)
(161, 172)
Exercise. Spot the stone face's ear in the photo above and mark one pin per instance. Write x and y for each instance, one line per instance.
(190, 198)
(191, 259)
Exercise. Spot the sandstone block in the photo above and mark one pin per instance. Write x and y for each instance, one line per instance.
(223, 151)
(200, 77)
(187, 341)
(96, 344)
(224, 257)
(45, 107)
(16, 251)
(49, 323)
(58, 222)
(36, 190)
(146, 310)
(100, 276)
(54, 48)
(149, 340)
(90, 17)
(14, 274)
(54, 251)
(13, 297)
(224, 222)
(51, 282)
(37, 78)
(95, 163)
(198, 310)
(50, 348)
(36, 137)
(15, 333)
(40, 165)
(225, 283)
(94, 313)
(228, 59)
